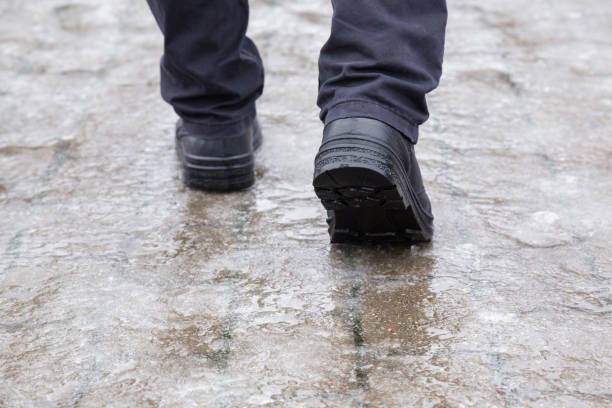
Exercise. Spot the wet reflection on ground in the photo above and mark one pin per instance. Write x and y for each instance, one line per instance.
(117, 284)
(387, 306)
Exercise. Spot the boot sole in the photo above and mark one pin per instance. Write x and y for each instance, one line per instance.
(367, 197)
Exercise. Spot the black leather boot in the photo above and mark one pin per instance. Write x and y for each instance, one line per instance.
(218, 164)
(368, 178)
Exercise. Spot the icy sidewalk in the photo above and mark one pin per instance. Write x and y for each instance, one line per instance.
(117, 286)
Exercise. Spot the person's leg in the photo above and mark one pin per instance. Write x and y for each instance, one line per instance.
(211, 73)
(381, 59)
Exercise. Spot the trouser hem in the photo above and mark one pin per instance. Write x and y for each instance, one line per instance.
(220, 130)
(372, 110)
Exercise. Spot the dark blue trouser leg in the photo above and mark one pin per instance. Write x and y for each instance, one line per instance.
(211, 73)
(381, 59)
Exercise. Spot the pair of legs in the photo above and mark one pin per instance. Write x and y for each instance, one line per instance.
(382, 58)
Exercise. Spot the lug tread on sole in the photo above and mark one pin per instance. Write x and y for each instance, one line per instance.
(345, 235)
(360, 197)
(364, 206)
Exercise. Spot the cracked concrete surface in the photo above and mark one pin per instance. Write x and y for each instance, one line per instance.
(119, 287)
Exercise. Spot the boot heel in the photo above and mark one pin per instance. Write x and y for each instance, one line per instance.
(357, 182)
(218, 164)
(219, 178)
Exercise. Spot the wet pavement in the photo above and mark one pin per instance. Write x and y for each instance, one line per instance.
(119, 287)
